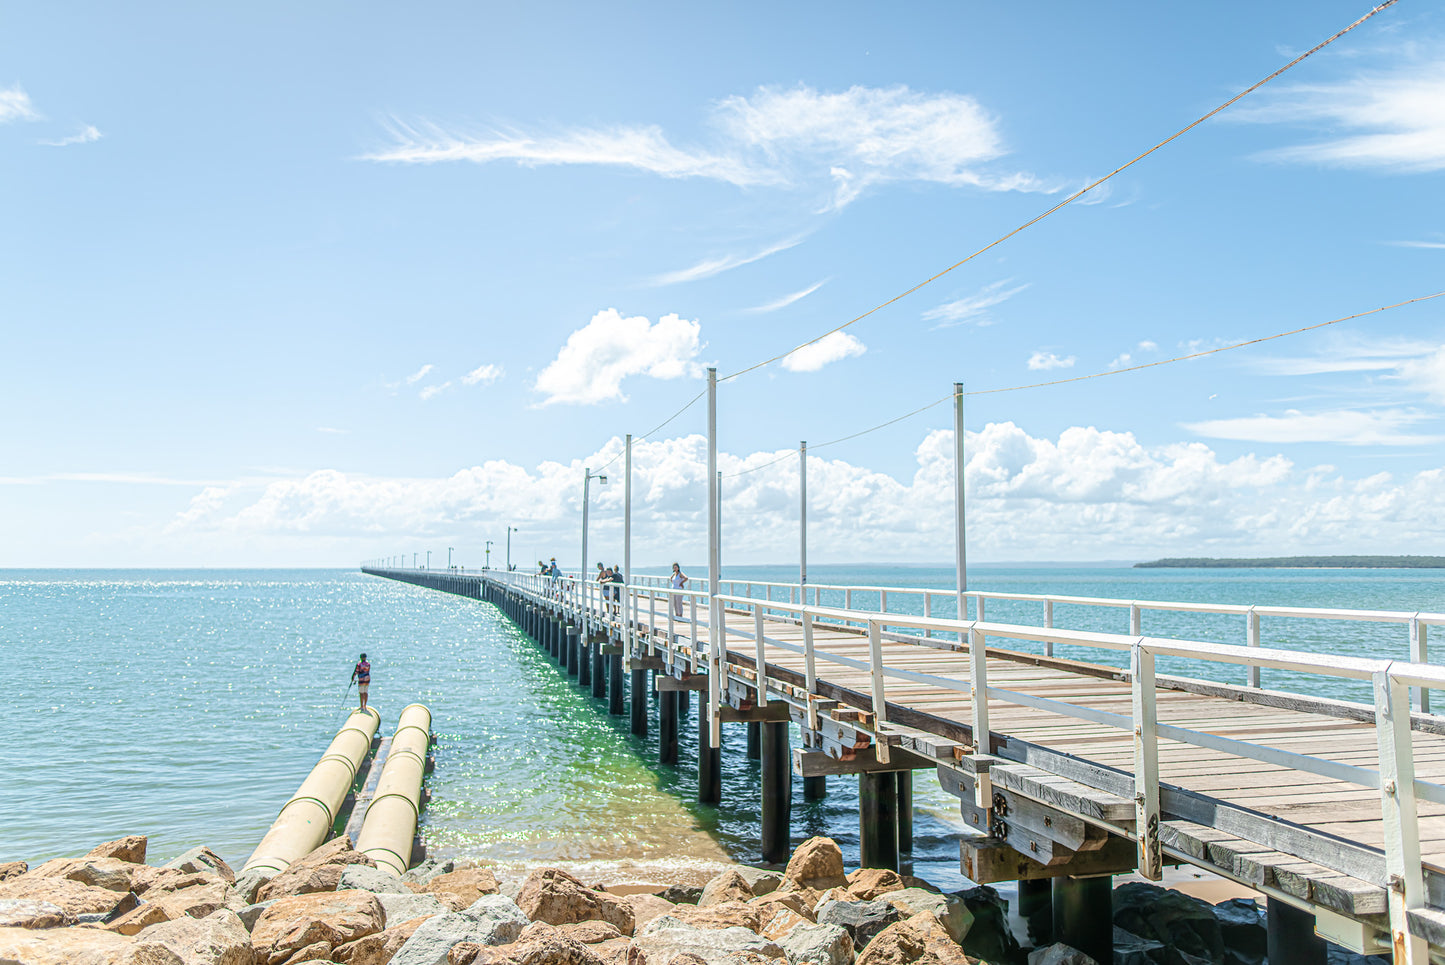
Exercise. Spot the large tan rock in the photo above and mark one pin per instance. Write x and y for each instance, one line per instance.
(865, 884)
(300, 921)
(669, 941)
(539, 948)
(794, 901)
(12, 869)
(111, 874)
(204, 859)
(217, 939)
(466, 884)
(647, 907)
(783, 921)
(618, 951)
(589, 932)
(319, 871)
(198, 901)
(817, 863)
(951, 911)
(79, 946)
(15, 913)
(73, 897)
(727, 886)
(378, 947)
(154, 882)
(919, 940)
(554, 896)
(131, 848)
(728, 914)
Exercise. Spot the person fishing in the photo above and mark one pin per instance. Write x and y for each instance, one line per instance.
(361, 676)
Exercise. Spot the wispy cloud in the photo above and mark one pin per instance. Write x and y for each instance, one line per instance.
(87, 134)
(1045, 361)
(419, 374)
(431, 391)
(328, 430)
(709, 267)
(844, 141)
(1417, 244)
(973, 307)
(15, 105)
(1127, 358)
(833, 347)
(126, 478)
(483, 374)
(786, 300)
(1383, 427)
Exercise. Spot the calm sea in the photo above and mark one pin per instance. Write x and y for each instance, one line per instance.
(189, 704)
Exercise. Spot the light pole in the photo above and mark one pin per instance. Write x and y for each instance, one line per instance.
(488, 564)
(587, 477)
(413, 561)
(428, 559)
(510, 531)
(449, 557)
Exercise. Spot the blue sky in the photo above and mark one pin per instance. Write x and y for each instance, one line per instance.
(306, 284)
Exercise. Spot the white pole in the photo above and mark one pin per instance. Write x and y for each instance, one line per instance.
(627, 542)
(802, 523)
(714, 564)
(958, 467)
(586, 484)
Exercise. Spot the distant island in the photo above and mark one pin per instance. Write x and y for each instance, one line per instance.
(1302, 562)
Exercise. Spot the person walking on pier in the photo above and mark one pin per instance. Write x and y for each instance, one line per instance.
(678, 581)
(361, 673)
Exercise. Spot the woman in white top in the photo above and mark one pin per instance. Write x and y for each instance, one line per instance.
(677, 581)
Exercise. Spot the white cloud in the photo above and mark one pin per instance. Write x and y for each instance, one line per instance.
(328, 430)
(596, 358)
(1417, 244)
(431, 391)
(786, 300)
(1044, 361)
(419, 374)
(1148, 346)
(15, 105)
(1124, 359)
(87, 134)
(709, 267)
(848, 140)
(483, 374)
(1396, 120)
(833, 347)
(973, 306)
(1385, 427)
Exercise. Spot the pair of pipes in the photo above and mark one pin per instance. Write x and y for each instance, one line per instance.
(389, 828)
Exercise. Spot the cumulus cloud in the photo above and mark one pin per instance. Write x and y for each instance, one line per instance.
(709, 267)
(591, 366)
(483, 374)
(797, 136)
(973, 307)
(1124, 359)
(15, 105)
(786, 300)
(1383, 427)
(833, 347)
(86, 134)
(1042, 361)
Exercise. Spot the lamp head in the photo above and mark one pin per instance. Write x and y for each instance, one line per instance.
(602, 480)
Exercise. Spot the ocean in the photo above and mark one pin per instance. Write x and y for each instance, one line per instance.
(188, 705)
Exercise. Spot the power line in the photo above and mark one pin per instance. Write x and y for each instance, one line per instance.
(1070, 199)
(692, 402)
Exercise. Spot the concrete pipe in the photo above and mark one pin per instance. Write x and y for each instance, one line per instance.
(389, 828)
(307, 819)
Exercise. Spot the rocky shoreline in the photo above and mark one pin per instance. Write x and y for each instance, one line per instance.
(335, 906)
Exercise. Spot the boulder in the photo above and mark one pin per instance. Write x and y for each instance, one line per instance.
(250, 913)
(554, 896)
(919, 940)
(378, 881)
(818, 945)
(20, 913)
(540, 948)
(198, 901)
(989, 937)
(72, 897)
(492, 920)
(377, 948)
(782, 923)
(203, 859)
(111, 874)
(862, 919)
(647, 907)
(320, 870)
(1130, 949)
(728, 886)
(297, 922)
(12, 869)
(664, 939)
(1242, 927)
(78, 946)
(406, 907)
(760, 880)
(682, 894)
(131, 848)
(618, 951)
(590, 932)
(153, 882)
(728, 914)
(1059, 954)
(950, 910)
(865, 884)
(792, 900)
(817, 863)
(427, 870)
(217, 939)
(1179, 921)
(467, 884)
(248, 883)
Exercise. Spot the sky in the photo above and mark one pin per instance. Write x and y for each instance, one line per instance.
(310, 284)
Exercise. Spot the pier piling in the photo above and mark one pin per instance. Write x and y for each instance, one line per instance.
(754, 741)
(905, 812)
(584, 657)
(639, 701)
(1084, 915)
(878, 820)
(667, 727)
(614, 684)
(709, 764)
(599, 669)
(777, 805)
(815, 788)
(1290, 935)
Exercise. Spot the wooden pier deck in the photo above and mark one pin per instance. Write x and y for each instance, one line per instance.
(1066, 768)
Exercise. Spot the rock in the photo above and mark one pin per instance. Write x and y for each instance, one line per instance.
(296, 922)
(248, 883)
(250, 913)
(128, 902)
(1242, 927)
(590, 932)
(865, 884)
(131, 848)
(203, 859)
(492, 920)
(554, 896)
(647, 907)
(666, 938)
(818, 945)
(950, 910)
(760, 880)
(311, 953)
(618, 951)
(428, 870)
(782, 923)
(140, 918)
(22, 913)
(320, 870)
(111, 874)
(78, 946)
(217, 939)
(817, 863)
(1130, 949)
(1179, 921)
(154, 882)
(377, 948)
(468, 884)
(198, 901)
(909, 881)
(989, 937)
(12, 869)
(540, 948)
(406, 907)
(73, 897)
(863, 919)
(1059, 954)
(728, 914)
(919, 940)
(728, 886)
(791, 900)
(375, 880)
(682, 894)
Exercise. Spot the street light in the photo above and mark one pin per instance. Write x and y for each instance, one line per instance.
(510, 531)
(449, 558)
(488, 564)
(413, 561)
(588, 476)
(428, 559)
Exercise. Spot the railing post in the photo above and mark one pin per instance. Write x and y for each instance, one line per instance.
(692, 631)
(1135, 621)
(1405, 879)
(880, 700)
(927, 610)
(1420, 653)
(810, 670)
(762, 664)
(848, 598)
(978, 691)
(1146, 762)
(1251, 639)
(1049, 623)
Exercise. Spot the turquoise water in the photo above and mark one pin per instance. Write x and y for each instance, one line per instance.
(189, 704)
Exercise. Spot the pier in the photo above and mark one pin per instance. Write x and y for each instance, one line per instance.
(1070, 771)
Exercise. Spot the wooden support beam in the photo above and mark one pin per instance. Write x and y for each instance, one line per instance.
(776, 711)
(683, 684)
(985, 860)
(817, 764)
